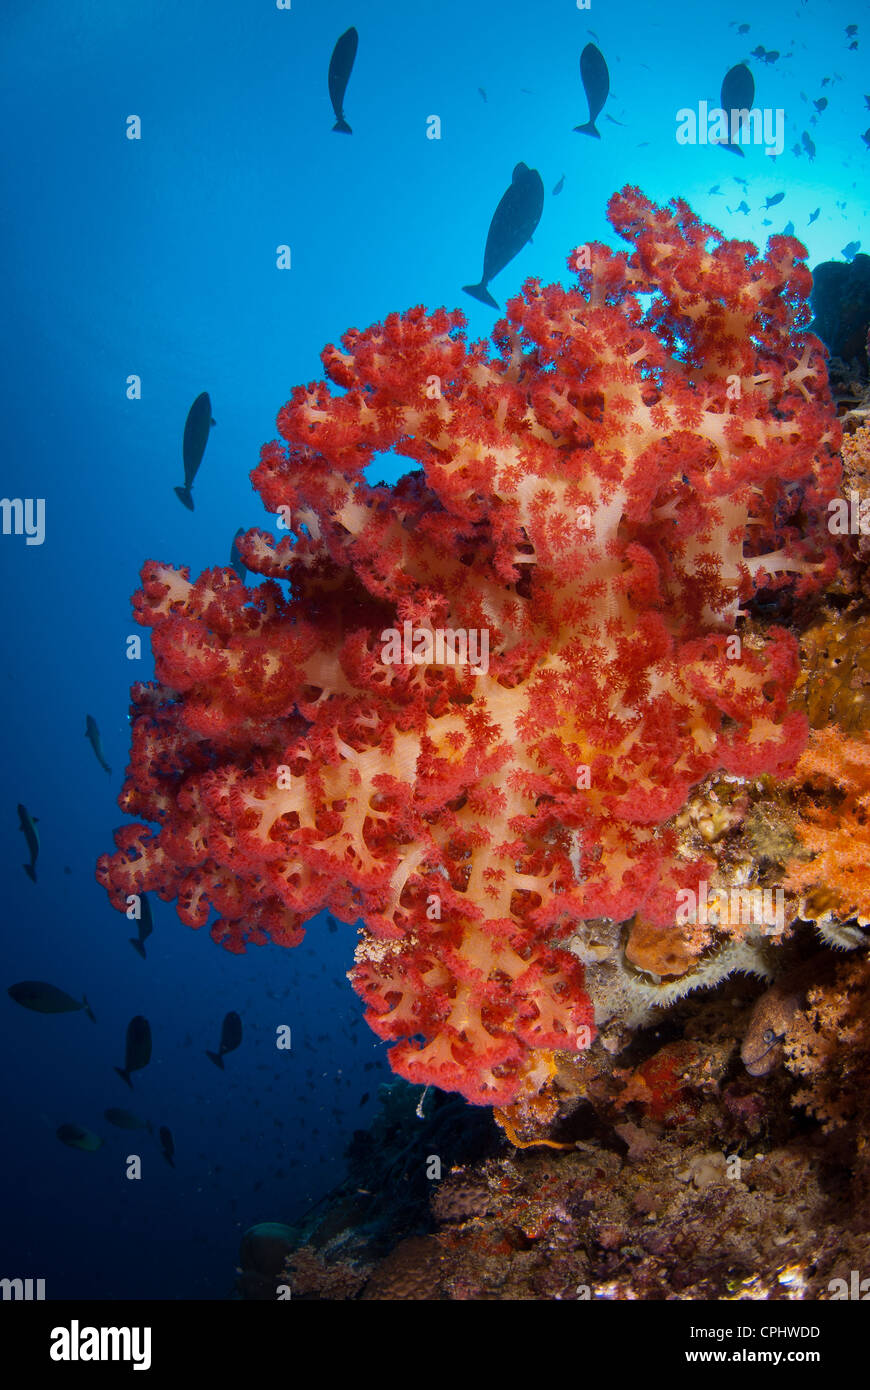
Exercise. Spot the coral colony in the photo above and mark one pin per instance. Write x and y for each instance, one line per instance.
(494, 687)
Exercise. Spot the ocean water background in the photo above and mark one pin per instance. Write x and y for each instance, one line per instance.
(158, 257)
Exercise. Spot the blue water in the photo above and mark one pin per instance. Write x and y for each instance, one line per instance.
(157, 257)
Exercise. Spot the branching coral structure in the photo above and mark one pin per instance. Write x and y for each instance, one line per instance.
(492, 685)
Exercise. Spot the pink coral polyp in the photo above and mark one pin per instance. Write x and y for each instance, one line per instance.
(598, 495)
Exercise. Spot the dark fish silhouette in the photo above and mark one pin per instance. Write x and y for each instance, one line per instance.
(340, 68)
(482, 93)
(138, 1052)
(851, 250)
(788, 229)
(124, 1119)
(866, 137)
(28, 825)
(77, 1138)
(196, 427)
(559, 186)
(743, 28)
(772, 202)
(513, 223)
(236, 561)
(738, 94)
(231, 1037)
(145, 925)
(814, 215)
(596, 85)
(167, 1145)
(808, 145)
(42, 998)
(92, 733)
(820, 104)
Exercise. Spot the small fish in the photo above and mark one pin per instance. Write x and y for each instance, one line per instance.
(613, 120)
(482, 93)
(866, 137)
(757, 52)
(788, 229)
(559, 186)
(743, 28)
(772, 202)
(340, 67)
(236, 561)
(42, 998)
(125, 1119)
(741, 207)
(138, 1050)
(167, 1145)
(77, 1138)
(848, 252)
(715, 189)
(196, 427)
(364, 1097)
(771, 55)
(820, 104)
(814, 215)
(28, 825)
(231, 1037)
(808, 145)
(796, 151)
(513, 222)
(596, 85)
(851, 30)
(146, 926)
(92, 733)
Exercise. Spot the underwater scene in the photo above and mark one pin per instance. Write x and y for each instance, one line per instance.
(436, 664)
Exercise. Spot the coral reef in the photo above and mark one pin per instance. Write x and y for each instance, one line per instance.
(834, 829)
(493, 686)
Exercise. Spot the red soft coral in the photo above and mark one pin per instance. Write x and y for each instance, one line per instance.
(592, 504)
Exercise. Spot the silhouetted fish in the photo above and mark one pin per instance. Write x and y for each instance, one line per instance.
(42, 998)
(814, 215)
(167, 1145)
(596, 85)
(738, 94)
(77, 1138)
(92, 733)
(513, 223)
(231, 1037)
(559, 186)
(772, 202)
(820, 104)
(236, 561)
(125, 1119)
(138, 1051)
(196, 427)
(808, 145)
(340, 68)
(28, 825)
(851, 250)
(145, 925)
